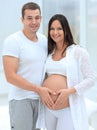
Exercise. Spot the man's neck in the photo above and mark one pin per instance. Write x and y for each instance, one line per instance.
(31, 36)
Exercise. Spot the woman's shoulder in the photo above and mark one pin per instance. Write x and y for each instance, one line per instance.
(78, 51)
(78, 48)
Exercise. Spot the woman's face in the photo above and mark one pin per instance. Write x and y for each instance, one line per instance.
(56, 32)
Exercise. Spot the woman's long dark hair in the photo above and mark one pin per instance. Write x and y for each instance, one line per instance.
(66, 29)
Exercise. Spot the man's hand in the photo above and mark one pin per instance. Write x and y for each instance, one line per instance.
(45, 96)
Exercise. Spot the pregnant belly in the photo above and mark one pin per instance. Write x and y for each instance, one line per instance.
(55, 83)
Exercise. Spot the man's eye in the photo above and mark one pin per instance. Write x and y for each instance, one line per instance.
(37, 18)
(29, 18)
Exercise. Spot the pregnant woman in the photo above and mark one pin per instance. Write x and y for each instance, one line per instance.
(69, 74)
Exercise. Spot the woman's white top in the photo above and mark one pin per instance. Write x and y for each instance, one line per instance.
(80, 74)
(55, 67)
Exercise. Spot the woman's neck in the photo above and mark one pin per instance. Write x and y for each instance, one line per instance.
(60, 48)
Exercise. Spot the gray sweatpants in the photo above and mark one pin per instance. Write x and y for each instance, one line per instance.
(23, 114)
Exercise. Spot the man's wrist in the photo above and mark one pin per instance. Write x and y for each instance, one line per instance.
(38, 89)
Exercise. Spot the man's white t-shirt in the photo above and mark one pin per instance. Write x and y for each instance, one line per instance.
(32, 56)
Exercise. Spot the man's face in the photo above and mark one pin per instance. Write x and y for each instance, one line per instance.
(31, 20)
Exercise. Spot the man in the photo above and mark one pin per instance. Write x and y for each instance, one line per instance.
(24, 55)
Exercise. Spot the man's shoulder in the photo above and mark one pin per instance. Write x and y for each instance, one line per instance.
(13, 35)
(12, 39)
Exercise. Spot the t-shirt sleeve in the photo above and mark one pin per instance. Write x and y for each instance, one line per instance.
(10, 48)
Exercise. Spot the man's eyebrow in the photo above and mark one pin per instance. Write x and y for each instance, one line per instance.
(34, 16)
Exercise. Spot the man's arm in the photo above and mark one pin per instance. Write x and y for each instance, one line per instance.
(10, 64)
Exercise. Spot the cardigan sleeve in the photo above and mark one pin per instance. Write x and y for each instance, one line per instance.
(86, 69)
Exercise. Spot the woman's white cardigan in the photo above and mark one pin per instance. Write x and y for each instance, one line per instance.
(80, 75)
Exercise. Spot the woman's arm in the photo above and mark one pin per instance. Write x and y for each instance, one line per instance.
(88, 73)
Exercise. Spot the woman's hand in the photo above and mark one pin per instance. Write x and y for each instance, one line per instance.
(62, 100)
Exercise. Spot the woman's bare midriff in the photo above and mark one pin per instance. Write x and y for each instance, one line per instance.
(55, 83)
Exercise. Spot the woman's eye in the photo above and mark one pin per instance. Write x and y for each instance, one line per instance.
(58, 29)
(52, 29)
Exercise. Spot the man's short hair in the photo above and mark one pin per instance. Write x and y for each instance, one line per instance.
(30, 5)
